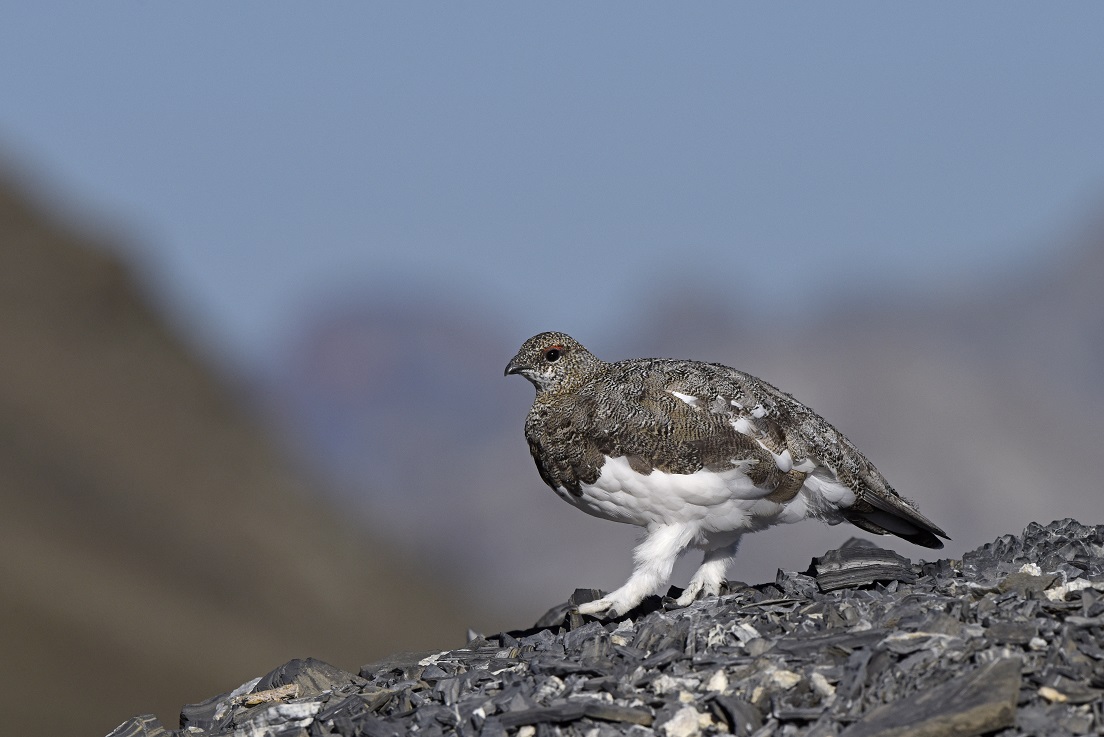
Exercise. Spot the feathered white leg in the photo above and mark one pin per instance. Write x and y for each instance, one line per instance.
(710, 575)
(654, 558)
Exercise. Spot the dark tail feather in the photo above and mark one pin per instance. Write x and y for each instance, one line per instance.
(884, 516)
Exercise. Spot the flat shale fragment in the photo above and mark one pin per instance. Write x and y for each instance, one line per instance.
(859, 563)
(972, 704)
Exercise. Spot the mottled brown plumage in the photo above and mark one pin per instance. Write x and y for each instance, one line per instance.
(679, 419)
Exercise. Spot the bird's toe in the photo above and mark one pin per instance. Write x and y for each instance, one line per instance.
(598, 608)
(691, 593)
(697, 590)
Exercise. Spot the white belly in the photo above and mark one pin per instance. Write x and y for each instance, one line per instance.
(718, 501)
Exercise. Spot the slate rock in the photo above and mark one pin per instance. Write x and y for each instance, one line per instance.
(1014, 633)
(214, 714)
(860, 563)
(404, 663)
(741, 718)
(556, 713)
(144, 725)
(1006, 641)
(310, 676)
(975, 703)
(1026, 584)
(1061, 543)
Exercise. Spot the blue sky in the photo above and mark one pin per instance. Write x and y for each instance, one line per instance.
(556, 164)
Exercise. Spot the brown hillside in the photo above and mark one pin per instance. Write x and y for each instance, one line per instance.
(152, 543)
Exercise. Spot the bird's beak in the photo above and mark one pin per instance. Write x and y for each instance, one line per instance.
(512, 368)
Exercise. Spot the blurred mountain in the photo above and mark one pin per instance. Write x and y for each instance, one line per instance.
(154, 547)
(980, 401)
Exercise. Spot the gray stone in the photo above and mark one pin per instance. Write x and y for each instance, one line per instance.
(557, 713)
(145, 725)
(310, 676)
(860, 563)
(976, 703)
(1015, 633)
(740, 716)
(952, 648)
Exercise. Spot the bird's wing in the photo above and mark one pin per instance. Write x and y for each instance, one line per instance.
(812, 443)
(728, 415)
(665, 415)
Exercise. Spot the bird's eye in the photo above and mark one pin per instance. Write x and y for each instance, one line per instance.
(552, 355)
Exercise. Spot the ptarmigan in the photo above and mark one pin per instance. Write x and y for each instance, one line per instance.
(697, 454)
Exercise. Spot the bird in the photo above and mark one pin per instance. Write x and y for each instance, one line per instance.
(698, 454)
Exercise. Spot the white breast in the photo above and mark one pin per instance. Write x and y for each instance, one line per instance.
(717, 500)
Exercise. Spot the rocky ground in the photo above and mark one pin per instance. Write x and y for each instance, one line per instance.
(1007, 641)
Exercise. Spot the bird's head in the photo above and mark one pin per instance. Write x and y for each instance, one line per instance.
(553, 362)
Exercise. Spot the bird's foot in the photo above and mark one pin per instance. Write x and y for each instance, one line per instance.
(697, 590)
(601, 608)
(611, 606)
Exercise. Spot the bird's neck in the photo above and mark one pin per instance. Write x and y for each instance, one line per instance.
(567, 385)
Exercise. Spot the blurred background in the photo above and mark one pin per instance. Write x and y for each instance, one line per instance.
(262, 265)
